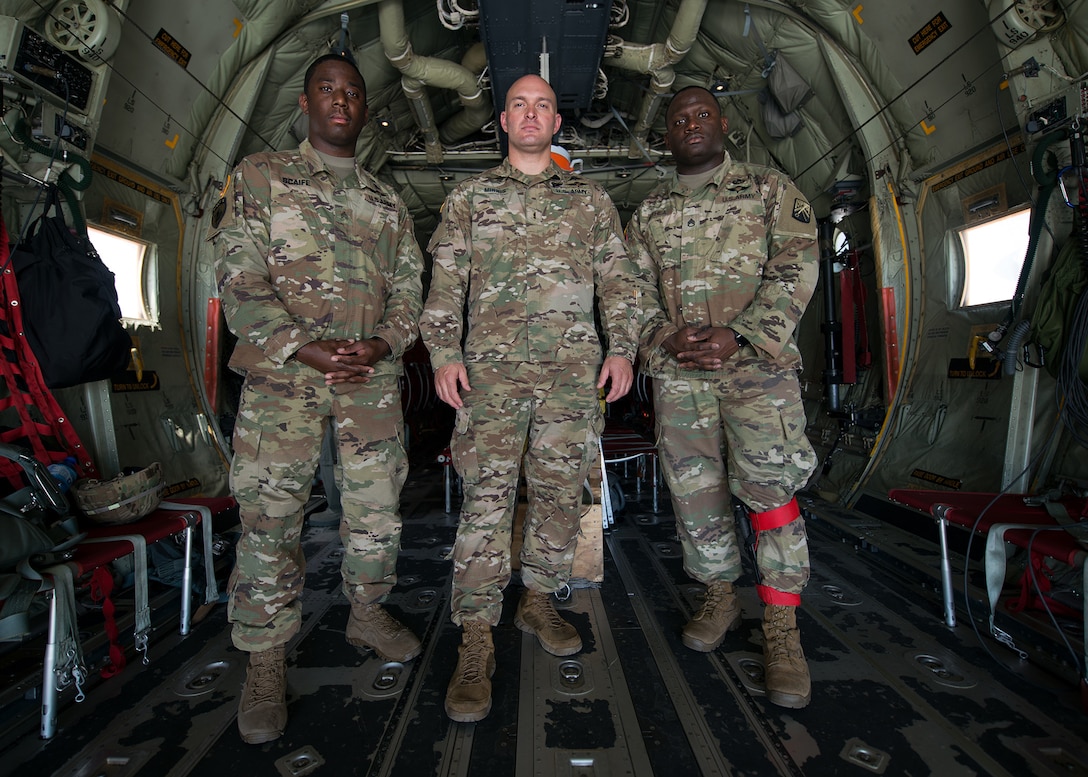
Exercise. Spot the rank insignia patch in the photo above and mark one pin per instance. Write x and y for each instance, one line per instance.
(218, 211)
(802, 211)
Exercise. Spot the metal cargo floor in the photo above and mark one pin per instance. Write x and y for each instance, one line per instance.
(894, 691)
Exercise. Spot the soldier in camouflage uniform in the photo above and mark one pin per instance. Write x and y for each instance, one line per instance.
(526, 245)
(320, 276)
(732, 248)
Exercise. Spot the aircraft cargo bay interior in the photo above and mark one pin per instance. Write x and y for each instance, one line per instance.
(574, 387)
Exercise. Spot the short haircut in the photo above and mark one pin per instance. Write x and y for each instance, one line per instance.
(555, 97)
(688, 88)
(347, 60)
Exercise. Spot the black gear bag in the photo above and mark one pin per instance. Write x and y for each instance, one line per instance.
(69, 300)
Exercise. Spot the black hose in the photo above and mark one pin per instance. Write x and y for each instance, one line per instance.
(67, 184)
(1048, 182)
(1016, 339)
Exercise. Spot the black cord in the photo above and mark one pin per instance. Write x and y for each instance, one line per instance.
(52, 160)
(1071, 393)
(971, 537)
(1039, 592)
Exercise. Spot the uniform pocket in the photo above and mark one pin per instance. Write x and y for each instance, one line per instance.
(463, 446)
(299, 232)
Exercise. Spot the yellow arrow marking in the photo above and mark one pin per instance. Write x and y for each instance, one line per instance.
(237, 27)
(926, 128)
(857, 14)
(173, 141)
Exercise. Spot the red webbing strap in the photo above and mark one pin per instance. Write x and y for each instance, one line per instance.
(32, 417)
(851, 274)
(765, 521)
(849, 325)
(769, 595)
(891, 340)
(101, 588)
(213, 339)
(1030, 598)
(779, 516)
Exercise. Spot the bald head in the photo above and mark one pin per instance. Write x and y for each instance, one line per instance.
(529, 86)
(530, 119)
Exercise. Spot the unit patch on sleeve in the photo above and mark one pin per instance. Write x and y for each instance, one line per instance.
(794, 216)
(218, 211)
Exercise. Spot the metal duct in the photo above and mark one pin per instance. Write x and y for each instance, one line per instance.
(421, 71)
(658, 59)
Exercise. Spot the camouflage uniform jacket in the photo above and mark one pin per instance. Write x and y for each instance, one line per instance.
(739, 253)
(300, 256)
(528, 252)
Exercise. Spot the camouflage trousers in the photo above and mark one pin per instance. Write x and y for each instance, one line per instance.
(277, 445)
(739, 433)
(548, 416)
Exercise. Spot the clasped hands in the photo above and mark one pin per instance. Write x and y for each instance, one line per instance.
(344, 361)
(702, 348)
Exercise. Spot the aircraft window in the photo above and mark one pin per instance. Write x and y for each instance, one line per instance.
(842, 242)
(133, 267)
(993, 253)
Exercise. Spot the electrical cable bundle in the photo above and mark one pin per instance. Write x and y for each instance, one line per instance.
(1072, 393)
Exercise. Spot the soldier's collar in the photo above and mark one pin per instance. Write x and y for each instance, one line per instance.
(316, 165)
(552, 171)
(723, 170)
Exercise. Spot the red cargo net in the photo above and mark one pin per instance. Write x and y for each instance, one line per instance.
(29, 414)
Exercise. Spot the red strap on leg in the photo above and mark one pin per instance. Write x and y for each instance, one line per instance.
(769, 595)
(101, 588)
(765, 521)
(779, 516)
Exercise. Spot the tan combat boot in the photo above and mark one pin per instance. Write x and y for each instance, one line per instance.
(370, 626)
(262, 711)
(785, 669)
(468, 697)
(536, 615)
(720, 611)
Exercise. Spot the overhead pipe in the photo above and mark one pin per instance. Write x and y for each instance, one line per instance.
(424, 116)
(658, 59)
(466, 122)
(419, 71)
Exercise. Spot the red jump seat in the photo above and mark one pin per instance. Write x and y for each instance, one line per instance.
(105, 544)
(1048, 527)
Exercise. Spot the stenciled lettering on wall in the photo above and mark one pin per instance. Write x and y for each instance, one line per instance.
(960, 368)
(978, 167)
(177, 488)
(129, 380)
(171, 47)
(933, 29)
(148, 191)
(933, 477)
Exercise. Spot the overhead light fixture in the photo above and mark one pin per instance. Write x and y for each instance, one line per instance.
(719, 86)
(385, 122)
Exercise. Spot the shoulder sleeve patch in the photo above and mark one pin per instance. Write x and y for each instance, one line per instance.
(221, 207)
(218, 211)
(802, 211)
(795, 215)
